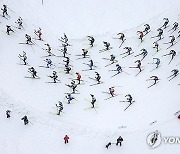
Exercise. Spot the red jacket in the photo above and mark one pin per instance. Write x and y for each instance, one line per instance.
(78, 76)
(66, 138)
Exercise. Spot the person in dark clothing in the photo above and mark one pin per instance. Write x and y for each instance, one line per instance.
(119, 140)
(26, 121)
(107, 146)
(8, 113)
(66, 138)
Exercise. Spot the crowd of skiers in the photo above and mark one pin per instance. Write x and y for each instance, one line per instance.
(85, 54)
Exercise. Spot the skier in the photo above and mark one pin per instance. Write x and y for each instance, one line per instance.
(65, 39)
(175, 73)
(67, 69)
(129, 49)
(67, 60)
(59, 107)
(144, 53)
(85, 51)
(54, 76)
(19, 22)
(122, 36)
(112, 58)
(118, 68)
(91, 64)
(178, 34)
(26, 121)
(147, 28)
(8, 29)
(107, 45)
(78, 77)
(38, 33)
(8, 113)
(64, 50)
(33, 72)
(138, 65)
(156, 46)
(69, 98)
(98, 77)
(141, 35)
(119, 140)
(165, 23)
(173, 53)
(175, 26)
(160, 33)
(129, 98)
(49, 62)
(111, 91)
(93, 100)
(91, 39)
(157, 62)
(23, 57)
(172, 40)
(28, 39)
(48, 49)
(107, 146)
(66, 138)
(4, 9)
(155, 78)
(73, 86)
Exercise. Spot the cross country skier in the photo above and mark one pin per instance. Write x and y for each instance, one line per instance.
(54, 76)
(118, 68)
(23, 57)
(28, 41)
(156, 46)
(67, 69)
(26, 121)
(64, 50)
(66, 139)
(112, 58)
(138, 65)
(147, 28)
(144, 53)
(91, 39)
(8, 29)
(93, 100)
(8, 113)
(157, 62)
(69, 98)
(91, 64)
(119, 140)
(111, 91)
(33, 72)
(160, 33)
(129, 98)
(165, 23)
(175, 73)
(49, 62)
(107, 45)
(174, 28)
(121, 36)
(78, 77)
(19, 22)
(67, 60)
(48, 49)
(129, 49)
(65, 39)
(155, 78)
(141, 35)
(4, 9)
(107, 146)
(85, 51)
(73, 86)
(38, 33)
(173, 53)
(98, 77)
(172, 39)
(59, 107)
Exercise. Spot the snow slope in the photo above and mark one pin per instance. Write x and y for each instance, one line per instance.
(89, 129)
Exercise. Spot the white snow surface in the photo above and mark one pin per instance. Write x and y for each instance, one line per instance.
(89, 129)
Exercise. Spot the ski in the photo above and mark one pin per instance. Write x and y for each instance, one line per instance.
(128, 55)
(172, 78)
(32, 77)
(129, 105)
(115, 75)
(52, 82)
(111, 97)
(26, 43)
(111, 63)
(122, 43)
(153, 122)
(96, 84)
(103, 50)
(171, 45)
(139, 72)
(88, 70)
